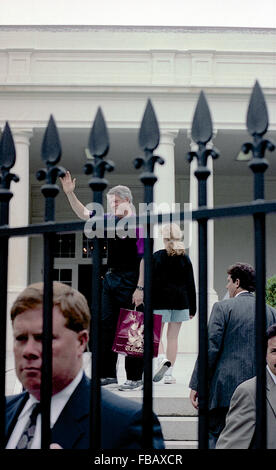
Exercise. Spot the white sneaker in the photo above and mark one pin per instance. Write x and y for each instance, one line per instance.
(169, 379)
(162, 368)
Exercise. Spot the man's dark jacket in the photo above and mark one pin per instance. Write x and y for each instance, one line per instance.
(121, 420)
(231, 347)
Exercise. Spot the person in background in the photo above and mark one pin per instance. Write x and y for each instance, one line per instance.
(239, 430)
(174, 296)
(123, 284)
(70, 403)
(231, 345)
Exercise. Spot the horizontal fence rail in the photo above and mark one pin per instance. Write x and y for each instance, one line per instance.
(236, 210)
(149, 136)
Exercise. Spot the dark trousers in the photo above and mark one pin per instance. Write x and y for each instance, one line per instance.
(118, 288)
(217, 418)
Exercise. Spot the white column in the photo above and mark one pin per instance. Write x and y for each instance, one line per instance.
(189, 332)
(19, 215)
(191, 338)
(193, 199)
(212, 295)
(164, 188)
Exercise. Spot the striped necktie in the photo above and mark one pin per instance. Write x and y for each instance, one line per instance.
(27, 436)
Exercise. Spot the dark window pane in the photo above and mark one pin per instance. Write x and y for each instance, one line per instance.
(65, 245)
(87, 247)
(63, 275)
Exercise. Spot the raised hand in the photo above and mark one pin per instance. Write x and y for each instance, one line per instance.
(68, 184)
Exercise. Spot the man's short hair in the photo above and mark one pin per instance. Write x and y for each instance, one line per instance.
(122, 191)
(271, 331)
(245, 273)
(71, 303)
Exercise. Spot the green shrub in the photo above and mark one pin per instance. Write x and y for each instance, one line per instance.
(271, 291)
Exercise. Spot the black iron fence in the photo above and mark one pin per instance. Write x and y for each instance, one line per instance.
(257, 125)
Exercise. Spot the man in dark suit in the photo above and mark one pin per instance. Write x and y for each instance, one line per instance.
(231, 346)
(69, 421)
(239, 431)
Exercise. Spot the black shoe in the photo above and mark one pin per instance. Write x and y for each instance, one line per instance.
(108, 381)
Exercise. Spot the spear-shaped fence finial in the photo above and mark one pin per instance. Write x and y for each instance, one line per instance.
(149, 137)
(257, 125)
(51, 154)
(7, 158)
(98, 146)
(202, 132)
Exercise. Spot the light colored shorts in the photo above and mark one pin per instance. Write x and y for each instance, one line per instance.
(173, 315)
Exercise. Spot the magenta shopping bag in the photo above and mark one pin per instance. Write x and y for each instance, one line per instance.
(129, 336)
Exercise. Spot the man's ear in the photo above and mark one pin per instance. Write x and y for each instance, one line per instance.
(238, 282)
(83, 337)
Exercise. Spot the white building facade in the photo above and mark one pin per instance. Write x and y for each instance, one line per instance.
(71, 71)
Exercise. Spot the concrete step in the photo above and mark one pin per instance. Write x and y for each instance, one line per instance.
(163, 405)
(181, 445)
(179, 428)
(173, 406)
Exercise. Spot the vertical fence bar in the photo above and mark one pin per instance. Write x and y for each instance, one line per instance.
(7, 161)
(48, 263)
(51, 153)
(203, 392)
(149, 137)
(257, 125)
(5, 196)
(96, 334)
(98, 146)
(46, 371)
(260, 267)
(148, 325)
(202, 132)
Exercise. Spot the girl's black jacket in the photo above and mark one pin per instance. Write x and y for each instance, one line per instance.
(173, 282)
